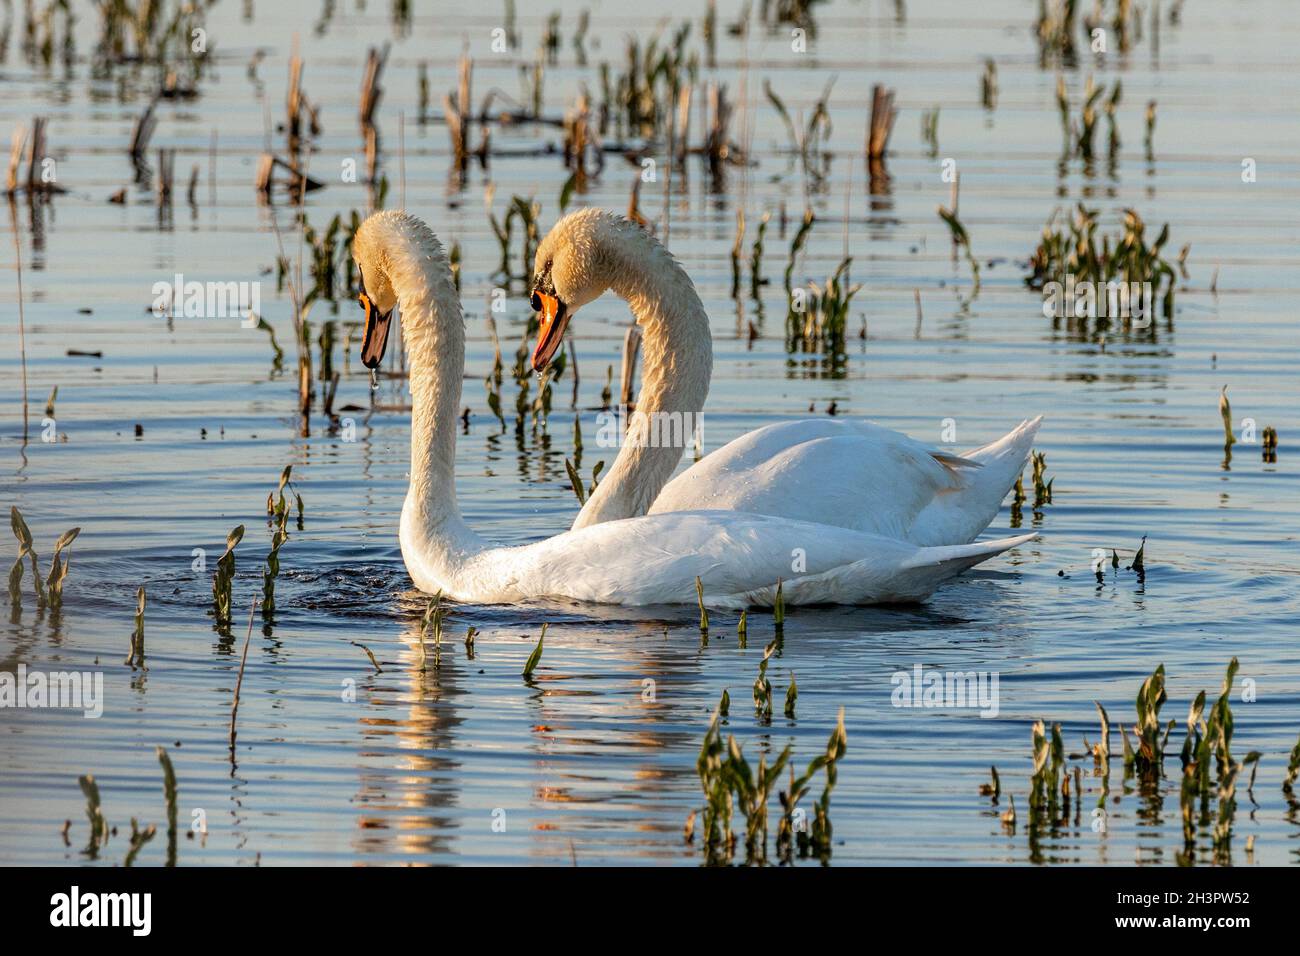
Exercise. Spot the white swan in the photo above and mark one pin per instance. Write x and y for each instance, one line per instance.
(852, 474)
(645, 560)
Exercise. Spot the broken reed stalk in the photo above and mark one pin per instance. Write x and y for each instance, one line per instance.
(627, 379)
(457, 114)
(22, 325)
(141, 133)
(704, 614)
(371, 88)
(136, 656)
(239, 681)
(166, 176)
(883, 115)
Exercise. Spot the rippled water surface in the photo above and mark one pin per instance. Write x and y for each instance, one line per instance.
(178, 431)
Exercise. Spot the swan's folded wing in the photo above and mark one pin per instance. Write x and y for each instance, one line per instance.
(655, 559)
(850, 474)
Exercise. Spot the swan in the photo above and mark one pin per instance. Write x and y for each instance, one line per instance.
(650, 559)
(853, 474)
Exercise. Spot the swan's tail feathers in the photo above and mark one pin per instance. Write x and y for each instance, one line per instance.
(960, 514)
(932, 566)
(1005, 458)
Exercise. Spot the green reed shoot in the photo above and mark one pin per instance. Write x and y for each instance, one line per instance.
(137, 840)
(756, 280)
(1075, 250)
(1151, 697)
(535, 657)
(724, 704)
(778, 608)
(224, 578)
(796, 247)
(95, 814)
(742, 630)
(169, 793)
(930, 130)
(1292, 770)
(1139, 560)
(470, 634)
(961, 239)
(432, 622)
(278, 508)
(1042, 489)
(791, 695)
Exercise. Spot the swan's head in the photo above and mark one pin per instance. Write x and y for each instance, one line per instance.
(378, 299)
(572, 268)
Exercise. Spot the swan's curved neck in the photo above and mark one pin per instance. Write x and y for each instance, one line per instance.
(677, 352)
(433, 332)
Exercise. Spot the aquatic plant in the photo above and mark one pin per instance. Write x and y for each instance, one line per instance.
(763, 686)
(823, 322)
(1150, 751)
(50, 593)
(432, 621)
(95, 814)
(224, 578)
(961, 239)
(1139, 560)
(796, 247)
(817, 840)
(993, 789)
(135, 657)
(1055, 30)
(756, 280)
(575, 480)
(704, 614)
(791, 695)
(930, 130)
(239, 680)
(279, 511)
(169, 794)
(1292, 770)
(742, 630)
(778, 609)
(370, 654)
(535, 657)
(470, 634)
(24, 536)
(1268, 442)
(735, 253)
(1225, 412)
(989, 85)
(1045, 782)
(137, 840)
(1042, 489)
(1074, 252)
(528, 211)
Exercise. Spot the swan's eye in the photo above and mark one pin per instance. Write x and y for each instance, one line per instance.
(535, 301)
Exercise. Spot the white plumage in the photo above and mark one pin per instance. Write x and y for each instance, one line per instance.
(651, 559)
(851, 474)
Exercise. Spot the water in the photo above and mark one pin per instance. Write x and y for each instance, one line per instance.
(589, 762)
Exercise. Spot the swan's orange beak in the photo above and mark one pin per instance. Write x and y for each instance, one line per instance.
(374, 334)
(555, 317)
